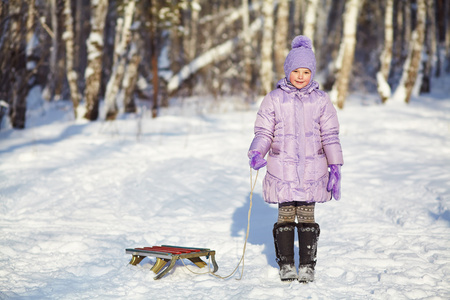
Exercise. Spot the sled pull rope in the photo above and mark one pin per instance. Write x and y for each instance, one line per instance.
(252, 187)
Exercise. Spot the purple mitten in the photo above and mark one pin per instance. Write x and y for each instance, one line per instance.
(256, 161)
(334, 182)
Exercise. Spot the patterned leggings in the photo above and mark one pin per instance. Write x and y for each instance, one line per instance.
(289, 210)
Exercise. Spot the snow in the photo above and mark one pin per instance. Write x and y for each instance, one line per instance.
(75, 194)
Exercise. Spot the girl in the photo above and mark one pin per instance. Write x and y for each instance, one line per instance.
(298, 127)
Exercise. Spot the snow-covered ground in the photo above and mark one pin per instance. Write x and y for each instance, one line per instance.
(74, 195)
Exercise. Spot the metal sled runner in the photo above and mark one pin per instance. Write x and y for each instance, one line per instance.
(168, 255)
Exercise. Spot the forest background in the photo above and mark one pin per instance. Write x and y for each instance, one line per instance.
(110, 57)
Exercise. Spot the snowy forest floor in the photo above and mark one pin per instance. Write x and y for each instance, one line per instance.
(74, 195)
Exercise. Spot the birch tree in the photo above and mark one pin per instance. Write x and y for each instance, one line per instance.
(131, 76)
(321, 32)
(384, 90)
(403, 29)
(247, 74)
(30, 29)
(281, 39)
(190, 30)
(311, 19)
(266, 71)
(32, 40)
(121, 47)
(49, 92)
(72, 75)
(430, 47)
(332, 41)
(190, 20)
(80, 56)
(297, 13)
(411, 66)
(95, 53)
(346, 53)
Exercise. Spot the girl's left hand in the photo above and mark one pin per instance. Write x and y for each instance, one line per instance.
(256, 161)
(334, 182)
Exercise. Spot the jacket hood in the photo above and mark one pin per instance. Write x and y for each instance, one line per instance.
(286, 86)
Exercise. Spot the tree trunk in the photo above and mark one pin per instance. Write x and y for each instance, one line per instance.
(18, 77)
(411, 66)
(402, 30)
(347, 51)
(118, 68)
(447, 37)
(321, 33)
(154, 59)
(266, 72)
(176, 53)
(190, 22)
(95, 53)
(281, 39)
(80, 56)
(131, 76)
(311, 19)
(121, 48)
(441, 19)
(49, 89)
(332, 41)
(298, 12)
(30, 24)
(384, 90)
(247, 74)
(31, 37)
(430, 47)
(53, 88)
(72, 75)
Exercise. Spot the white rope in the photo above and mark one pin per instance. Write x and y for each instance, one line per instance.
(252, 187)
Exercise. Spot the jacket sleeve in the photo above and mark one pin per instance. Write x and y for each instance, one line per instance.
(264, 127)
(329, 133)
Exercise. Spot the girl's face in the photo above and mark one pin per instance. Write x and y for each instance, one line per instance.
(300, 77)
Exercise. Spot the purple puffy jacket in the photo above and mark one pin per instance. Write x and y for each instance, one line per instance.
(300, 131)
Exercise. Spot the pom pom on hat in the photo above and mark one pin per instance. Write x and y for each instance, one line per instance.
(301, 41)
(301, 56)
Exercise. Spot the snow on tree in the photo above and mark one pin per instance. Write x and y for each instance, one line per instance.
(72, 75)
(411, 66)
(122, 42)
(95, 53)
(215, 54)
(346, 55)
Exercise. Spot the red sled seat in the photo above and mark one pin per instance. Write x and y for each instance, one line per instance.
(168, 255)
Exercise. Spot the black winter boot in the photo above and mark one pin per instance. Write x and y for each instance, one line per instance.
(284, 235)
(308, 236)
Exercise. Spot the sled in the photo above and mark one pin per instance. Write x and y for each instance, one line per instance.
(166, 256)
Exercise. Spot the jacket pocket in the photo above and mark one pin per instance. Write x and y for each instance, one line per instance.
(276, 147)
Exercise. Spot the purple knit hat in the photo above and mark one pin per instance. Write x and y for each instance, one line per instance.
(301, 56)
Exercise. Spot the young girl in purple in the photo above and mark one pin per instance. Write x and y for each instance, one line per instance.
(297, 127)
